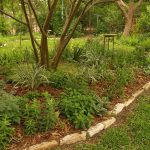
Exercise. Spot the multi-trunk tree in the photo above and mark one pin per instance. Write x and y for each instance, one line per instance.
(128, 10)
(76, 11)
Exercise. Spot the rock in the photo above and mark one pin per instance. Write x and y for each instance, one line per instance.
(108, 122)
(146, 87)
(44, 145)
(137, 93)
(118, 108)
(73, 138)
(95, 129)
(129, 101)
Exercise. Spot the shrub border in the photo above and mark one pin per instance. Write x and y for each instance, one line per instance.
(93, 130)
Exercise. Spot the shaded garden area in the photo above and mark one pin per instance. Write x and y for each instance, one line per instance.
(61, 79)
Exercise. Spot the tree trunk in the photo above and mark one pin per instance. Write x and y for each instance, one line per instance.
(59, 51)
(44, 52)
(128, 27)
(129, 20)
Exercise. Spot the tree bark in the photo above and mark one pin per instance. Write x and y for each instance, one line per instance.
(44, 52)
(129, 20)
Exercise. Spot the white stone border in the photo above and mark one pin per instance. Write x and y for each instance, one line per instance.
(93, 130)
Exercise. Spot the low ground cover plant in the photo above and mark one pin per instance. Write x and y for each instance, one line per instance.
(6, 131)
(80, 107)
(9, 106)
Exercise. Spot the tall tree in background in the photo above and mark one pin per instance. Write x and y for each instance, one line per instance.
(128, 10)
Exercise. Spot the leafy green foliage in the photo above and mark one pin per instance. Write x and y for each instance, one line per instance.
(60, 79)
(131, 40)
(147, 70)
(32, 95)
(49, 116)
(77, 53)
(123, 77)
(145, 45)
(80, 106)
(6, 131)
(9, 106)
(143, 25)
(30, 126)
(39, 116)
(57, 79)
(31, 114)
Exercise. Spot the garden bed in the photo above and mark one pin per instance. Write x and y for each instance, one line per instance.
(40, 105)
(23, 141)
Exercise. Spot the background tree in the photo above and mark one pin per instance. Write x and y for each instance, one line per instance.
(143, 23)
(128, 10)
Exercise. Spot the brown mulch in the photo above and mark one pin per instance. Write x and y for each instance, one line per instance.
(140, 80)
(20, 90)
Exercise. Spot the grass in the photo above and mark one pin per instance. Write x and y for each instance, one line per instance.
(13, 43)
(133, 134)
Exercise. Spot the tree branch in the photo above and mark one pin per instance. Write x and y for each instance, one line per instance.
(49, 15)
(123, 8)
(36, 42)
(139, 3)
(86, 8)
(49, 4)
(70, 18)
(36, 18)
(13, 17)
(124, 4)
(30, 30)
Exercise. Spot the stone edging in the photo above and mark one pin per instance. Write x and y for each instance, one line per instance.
(93, 130)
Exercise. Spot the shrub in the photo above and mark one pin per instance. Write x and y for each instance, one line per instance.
(9, 106)
(32, 95)
(145, 45)
(142, 24)
(39, 116)
(76, 82)
(5, 131)
(132, 40)
(31, 115)
(59, 79)
(123, 77)
(49, 116)
(140, 57)
(79, 107)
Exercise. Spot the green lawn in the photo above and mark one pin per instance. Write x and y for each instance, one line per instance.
(13, 43)
(132, 134)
